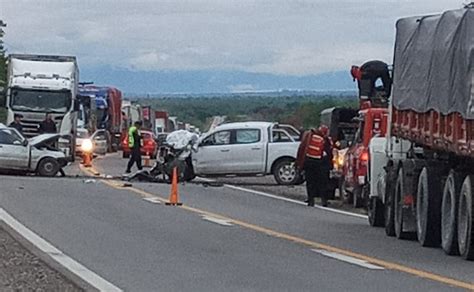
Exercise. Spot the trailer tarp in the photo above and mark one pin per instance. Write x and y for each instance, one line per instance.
(433, 61)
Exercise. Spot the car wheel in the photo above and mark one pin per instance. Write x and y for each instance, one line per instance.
(48, 167)
(285, 172)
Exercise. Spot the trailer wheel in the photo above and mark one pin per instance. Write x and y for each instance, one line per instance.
(449, 207)
(375, 211)
(465, 220)
(428, 207)
(388, 215)
(398, 206)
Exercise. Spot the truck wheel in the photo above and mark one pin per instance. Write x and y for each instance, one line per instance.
(400, 188)
(389, 216)
(465, 220)
(375, 212)
(48, 167)
(285, 172)
(428, 207)
(125, 155)
(449, 207)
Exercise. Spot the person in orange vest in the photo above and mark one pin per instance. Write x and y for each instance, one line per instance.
(315, 159)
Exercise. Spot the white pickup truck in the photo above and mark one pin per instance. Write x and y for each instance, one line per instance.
(250, 148)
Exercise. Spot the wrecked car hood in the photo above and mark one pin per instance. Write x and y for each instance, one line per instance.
(44, 139)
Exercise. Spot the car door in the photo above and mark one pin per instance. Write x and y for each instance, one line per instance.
(213, 154)
(14, 153)
(247, 151)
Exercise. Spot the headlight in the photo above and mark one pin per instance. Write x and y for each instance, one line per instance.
(87, 145)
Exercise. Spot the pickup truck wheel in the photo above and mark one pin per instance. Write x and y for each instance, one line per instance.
(48, 167)
(465, 220)
(344, 195)
(428, 207)
(285, 172)
(449, 206)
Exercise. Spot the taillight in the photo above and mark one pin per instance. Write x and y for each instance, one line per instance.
(364, 156)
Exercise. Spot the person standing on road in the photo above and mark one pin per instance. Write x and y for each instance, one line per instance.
(134, 142)
(48, 125)
(315, 158)
(17, 123)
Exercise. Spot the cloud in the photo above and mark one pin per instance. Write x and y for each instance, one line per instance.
(286, 37)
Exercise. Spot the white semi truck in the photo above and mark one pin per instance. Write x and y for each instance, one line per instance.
(41, 84)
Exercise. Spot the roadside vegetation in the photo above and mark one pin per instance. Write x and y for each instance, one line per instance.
(300, 111)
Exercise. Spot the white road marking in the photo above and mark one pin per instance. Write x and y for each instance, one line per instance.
(87, 275)
(154, 200)
(294, 201)
(219, 221)
(348, 259)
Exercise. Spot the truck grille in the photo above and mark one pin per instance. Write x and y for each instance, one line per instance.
(31, 127)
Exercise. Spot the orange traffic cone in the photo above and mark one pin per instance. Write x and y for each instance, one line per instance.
(146, 163)
(86, 159)
(174, 195)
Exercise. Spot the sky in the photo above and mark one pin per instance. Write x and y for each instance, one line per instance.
(148, 39)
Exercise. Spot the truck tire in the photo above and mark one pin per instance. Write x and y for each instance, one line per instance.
(375, 211)
(285, 172)
(465, 220)
(48, 167)
(389, 216)
(428, 207)
(449, 207)
(398, 217)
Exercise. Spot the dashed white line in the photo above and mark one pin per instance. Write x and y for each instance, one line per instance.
(348, 259)
(154, 200)
(87, 275)
(219, 221)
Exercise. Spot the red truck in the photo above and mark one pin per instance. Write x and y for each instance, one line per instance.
(371, 121)
(425, 187)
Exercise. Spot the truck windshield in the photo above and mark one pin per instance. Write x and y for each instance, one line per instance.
(40, 100)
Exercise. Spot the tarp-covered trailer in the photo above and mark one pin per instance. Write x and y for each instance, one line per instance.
(427, 186)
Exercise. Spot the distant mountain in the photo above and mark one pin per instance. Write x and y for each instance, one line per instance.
(200, 82)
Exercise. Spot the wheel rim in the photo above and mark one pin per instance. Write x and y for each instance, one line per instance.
(447, 214)
(48, 167)
(287, 172)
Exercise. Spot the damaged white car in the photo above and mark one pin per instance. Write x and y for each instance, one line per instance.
(37, 155)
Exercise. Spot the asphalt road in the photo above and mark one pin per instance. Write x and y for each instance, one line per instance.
(221, 239)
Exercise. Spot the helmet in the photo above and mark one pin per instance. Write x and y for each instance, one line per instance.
(323, 130)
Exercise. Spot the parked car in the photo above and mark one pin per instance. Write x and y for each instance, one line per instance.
(37, 155)
(251, 148)
(149, 145)
(98, 139)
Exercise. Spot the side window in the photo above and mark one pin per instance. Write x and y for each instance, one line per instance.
(280, 136)
(219, 138)
(10, 137)
(247, 136)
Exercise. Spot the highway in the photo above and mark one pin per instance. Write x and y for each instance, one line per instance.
(222, 238)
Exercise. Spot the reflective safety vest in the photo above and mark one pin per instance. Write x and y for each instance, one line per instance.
(315, 147)
(131, 139)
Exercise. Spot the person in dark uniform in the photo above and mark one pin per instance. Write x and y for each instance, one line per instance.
(315, 159)
(17, 123)
(48, 125)
(134, 142)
